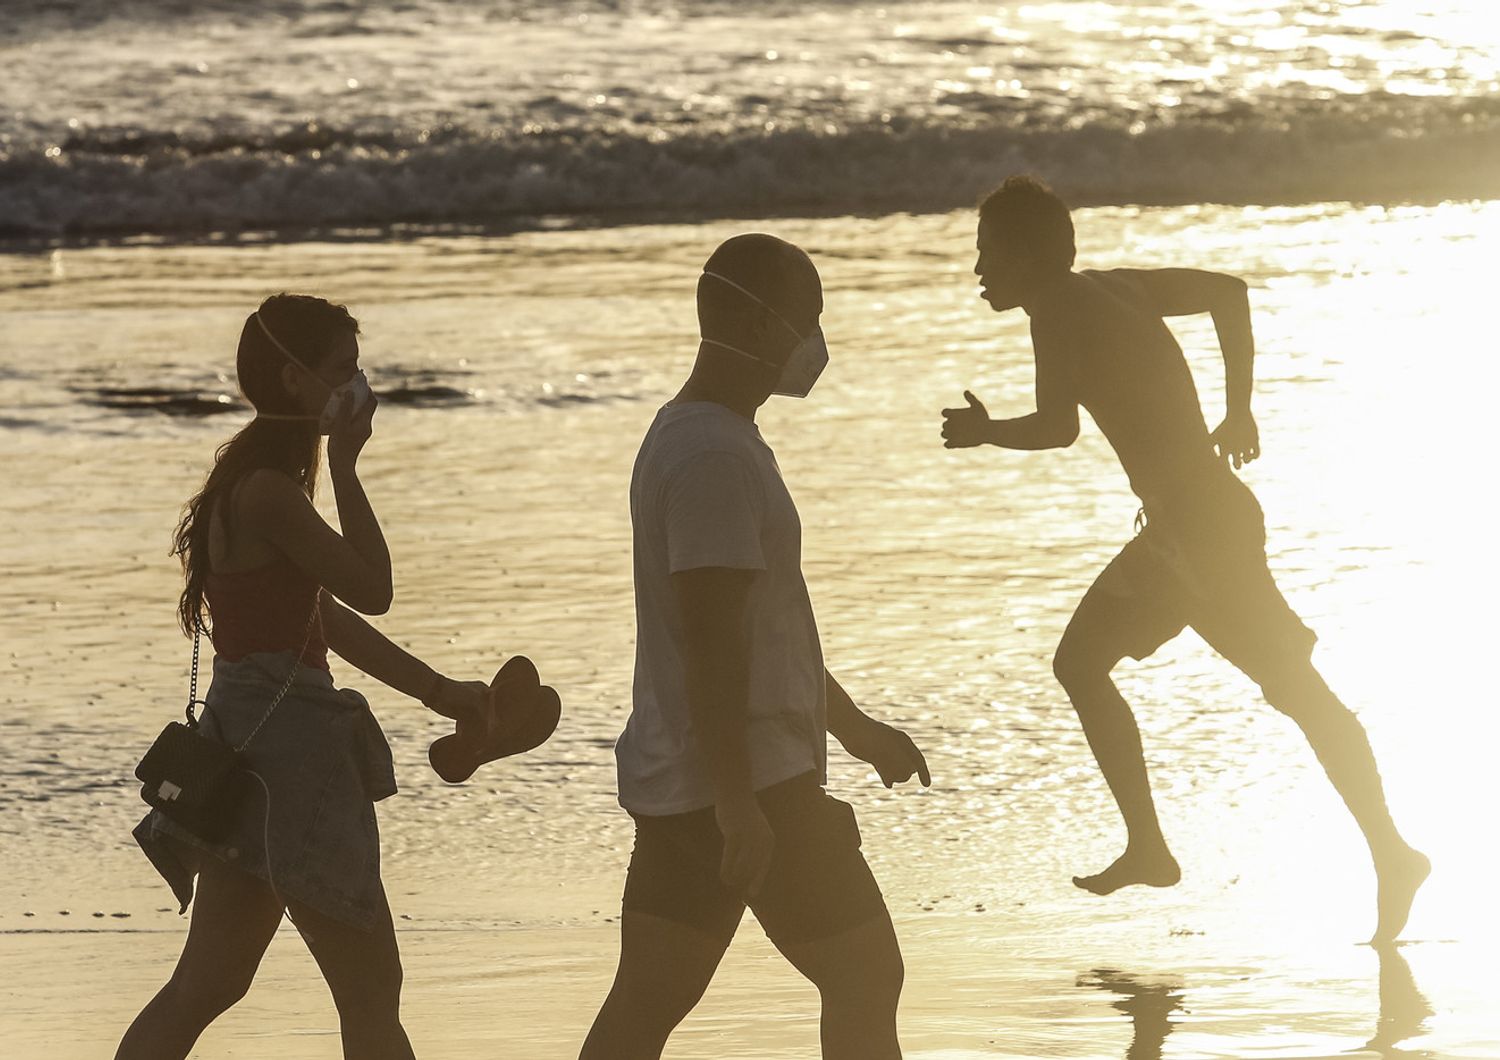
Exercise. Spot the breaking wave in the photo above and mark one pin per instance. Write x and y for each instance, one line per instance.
(1389, 149)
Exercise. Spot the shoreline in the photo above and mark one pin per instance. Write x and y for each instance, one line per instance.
(395, 232)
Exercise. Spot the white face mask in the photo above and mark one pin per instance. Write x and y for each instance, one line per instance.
(358, 391)
(356, 388)
(802, 366)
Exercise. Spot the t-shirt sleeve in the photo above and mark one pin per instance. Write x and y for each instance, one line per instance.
(713, 512)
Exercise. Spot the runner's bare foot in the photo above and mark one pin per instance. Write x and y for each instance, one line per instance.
(1156, 868)
(1399, 877)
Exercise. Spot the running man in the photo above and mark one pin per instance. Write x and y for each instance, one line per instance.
(723, 759)
(1200, 561)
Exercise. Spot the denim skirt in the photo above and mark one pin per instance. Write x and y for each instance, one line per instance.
(304, 813)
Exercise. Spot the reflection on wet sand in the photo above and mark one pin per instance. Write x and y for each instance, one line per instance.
(1404, 1010)
(1148, 1004)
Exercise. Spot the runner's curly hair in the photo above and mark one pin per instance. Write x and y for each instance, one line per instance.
(1026, 214)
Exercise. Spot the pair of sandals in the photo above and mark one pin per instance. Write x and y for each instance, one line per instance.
(521, 714)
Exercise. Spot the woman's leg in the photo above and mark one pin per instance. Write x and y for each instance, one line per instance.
(363, 972)
(234, 918)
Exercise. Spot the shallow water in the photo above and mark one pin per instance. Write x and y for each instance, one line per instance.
(941, 581)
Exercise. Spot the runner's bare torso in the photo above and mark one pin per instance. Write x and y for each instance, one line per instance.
(1101, 343)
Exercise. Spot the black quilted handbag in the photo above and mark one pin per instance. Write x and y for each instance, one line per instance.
(192, 778)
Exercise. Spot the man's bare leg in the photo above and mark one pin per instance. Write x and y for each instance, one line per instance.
(363, 972)
(1339, 740)
(664, 969)
(1088, 652)
(858, 974)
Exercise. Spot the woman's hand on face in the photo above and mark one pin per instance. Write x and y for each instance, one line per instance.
(351, 430)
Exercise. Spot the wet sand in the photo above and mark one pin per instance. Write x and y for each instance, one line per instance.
(529, 992)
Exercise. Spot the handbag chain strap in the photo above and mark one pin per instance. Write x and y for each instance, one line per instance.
(193, 699)
(286, 686)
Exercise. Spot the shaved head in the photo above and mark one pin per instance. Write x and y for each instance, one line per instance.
(779, 273)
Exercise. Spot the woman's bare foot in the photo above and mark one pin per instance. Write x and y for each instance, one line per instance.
(1153, 868)
(1398, 878)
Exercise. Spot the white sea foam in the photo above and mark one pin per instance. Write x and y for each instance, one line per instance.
(174, 117)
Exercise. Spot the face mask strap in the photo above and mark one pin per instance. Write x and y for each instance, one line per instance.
(742, 353)
(757, 299)
(266, 331)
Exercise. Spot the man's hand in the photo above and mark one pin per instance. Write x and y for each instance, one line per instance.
(748, 841)
(1237, 439)
(892, 752)
(966, 427)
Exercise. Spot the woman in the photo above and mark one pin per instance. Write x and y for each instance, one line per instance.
(281, 588)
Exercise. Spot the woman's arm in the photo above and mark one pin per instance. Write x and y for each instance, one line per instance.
(356, 518)
(354, 566)
(364, 647)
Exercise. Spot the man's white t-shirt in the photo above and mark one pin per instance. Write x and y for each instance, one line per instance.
(706, 492)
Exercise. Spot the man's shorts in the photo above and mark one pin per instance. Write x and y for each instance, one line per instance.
(1202, 563)
(818, 884)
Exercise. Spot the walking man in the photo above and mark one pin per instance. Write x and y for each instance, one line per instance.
(1100, 342)
(723, 759)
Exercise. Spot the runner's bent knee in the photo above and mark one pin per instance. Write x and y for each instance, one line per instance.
(1082, 660)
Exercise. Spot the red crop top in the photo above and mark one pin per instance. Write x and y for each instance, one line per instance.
(265, 609)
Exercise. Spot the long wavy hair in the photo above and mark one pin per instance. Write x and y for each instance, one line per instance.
(307, 326)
